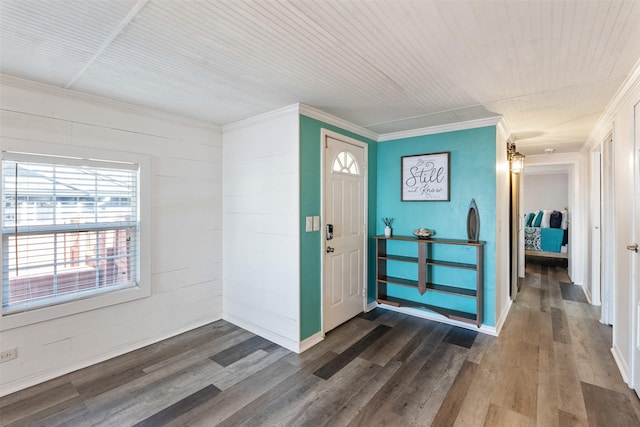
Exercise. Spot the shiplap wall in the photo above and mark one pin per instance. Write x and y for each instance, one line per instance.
(186, 236)
(261, 240)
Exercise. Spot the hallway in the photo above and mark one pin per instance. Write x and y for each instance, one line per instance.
(551, 366)
(567, 373)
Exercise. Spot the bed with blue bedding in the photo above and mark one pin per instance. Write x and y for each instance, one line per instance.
(546, 233)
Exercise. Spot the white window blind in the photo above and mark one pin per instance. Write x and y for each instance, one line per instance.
(69, 229)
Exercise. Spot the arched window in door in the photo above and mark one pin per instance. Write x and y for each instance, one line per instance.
(346, 163)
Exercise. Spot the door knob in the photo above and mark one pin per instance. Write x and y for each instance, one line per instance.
(330, 249)
(633, 248)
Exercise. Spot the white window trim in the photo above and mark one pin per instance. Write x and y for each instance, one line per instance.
(143, 290)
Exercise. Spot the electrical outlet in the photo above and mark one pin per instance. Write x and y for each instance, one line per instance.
(7, 355)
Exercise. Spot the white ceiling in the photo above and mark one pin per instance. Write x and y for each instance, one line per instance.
(549, 67)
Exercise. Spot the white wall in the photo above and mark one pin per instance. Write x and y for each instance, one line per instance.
(548, 191)
(186, 257)
(261, 239)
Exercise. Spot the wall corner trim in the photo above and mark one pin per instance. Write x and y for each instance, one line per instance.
(320, 115)
(451, 127)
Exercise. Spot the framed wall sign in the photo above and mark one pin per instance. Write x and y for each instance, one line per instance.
(425, 178)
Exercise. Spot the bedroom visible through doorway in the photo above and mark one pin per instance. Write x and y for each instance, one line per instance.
(546, 214)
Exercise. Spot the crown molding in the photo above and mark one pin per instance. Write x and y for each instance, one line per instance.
(270, 115)
(604, 124)
(451, 127)
(314, 113)
(16, 82)
(502, 126)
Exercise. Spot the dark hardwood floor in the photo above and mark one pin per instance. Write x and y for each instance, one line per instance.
(551, 366)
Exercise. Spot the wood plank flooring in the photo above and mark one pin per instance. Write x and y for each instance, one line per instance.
(551, 366)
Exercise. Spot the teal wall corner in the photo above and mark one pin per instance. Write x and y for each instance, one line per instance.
(310, 205)
(472, 176)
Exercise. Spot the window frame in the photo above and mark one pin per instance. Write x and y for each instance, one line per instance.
(11, 150)
(353, 162)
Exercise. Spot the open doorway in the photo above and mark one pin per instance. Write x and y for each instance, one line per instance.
(546, 215)
(566, 168)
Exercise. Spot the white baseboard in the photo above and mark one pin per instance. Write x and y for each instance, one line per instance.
(622, 366)
(586, 293)
(489, 330)
(503, 316)
(311, 341)
(288, 343)
(30, 381)
(371, 306)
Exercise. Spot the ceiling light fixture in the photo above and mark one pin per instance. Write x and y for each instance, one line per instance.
(549, 150)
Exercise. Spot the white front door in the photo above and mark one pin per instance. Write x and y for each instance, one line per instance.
(343, 293)
(632, 246)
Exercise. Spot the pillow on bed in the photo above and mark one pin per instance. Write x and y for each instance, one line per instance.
(538, 219)
(546, 218)
(565, 220)
(556, 219)
(528, 219)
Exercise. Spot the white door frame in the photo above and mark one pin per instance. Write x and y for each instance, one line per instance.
(324, 134)
(595, 228)
(569, 163)
(608, 232)
(634, 272)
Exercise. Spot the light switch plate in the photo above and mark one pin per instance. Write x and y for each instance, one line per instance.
(316, 223)
(309, 224)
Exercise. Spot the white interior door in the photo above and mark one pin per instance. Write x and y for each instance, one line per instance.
(632, 246)
(343, 295)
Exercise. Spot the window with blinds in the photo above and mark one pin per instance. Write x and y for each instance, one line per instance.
(69, 229)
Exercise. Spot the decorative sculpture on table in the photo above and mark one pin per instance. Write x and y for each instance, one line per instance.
(473, 222)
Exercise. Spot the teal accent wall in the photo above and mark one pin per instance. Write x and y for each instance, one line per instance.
(473, 176)
(310, 203)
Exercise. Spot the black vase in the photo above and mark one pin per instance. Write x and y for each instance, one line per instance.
(473, 222)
